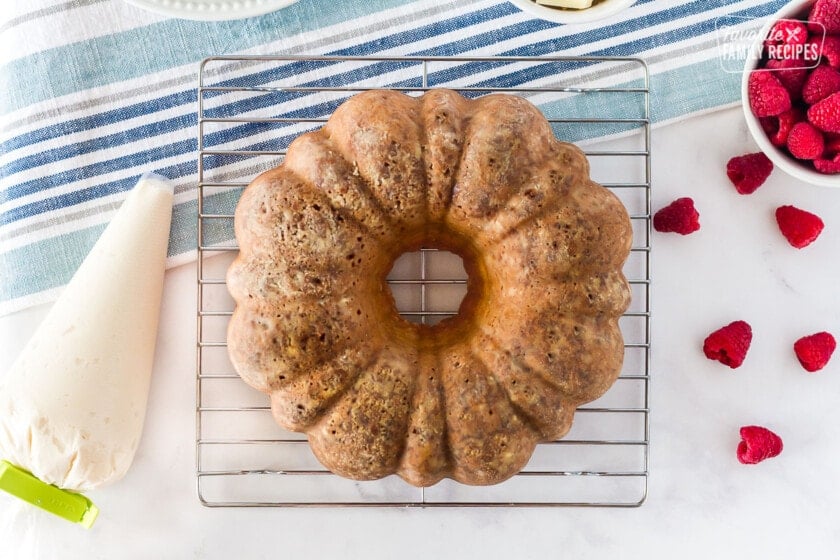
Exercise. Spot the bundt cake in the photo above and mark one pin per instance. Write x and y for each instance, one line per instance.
(537, 334)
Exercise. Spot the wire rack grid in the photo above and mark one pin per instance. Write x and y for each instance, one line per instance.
(249, 109)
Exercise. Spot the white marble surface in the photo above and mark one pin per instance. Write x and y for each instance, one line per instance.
(702, 503)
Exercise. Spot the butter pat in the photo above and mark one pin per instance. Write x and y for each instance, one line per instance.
(572, 4)
(72, 405)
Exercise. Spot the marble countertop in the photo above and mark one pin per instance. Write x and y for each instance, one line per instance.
(701, 502)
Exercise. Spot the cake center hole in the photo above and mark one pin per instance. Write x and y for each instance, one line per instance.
(428, 285)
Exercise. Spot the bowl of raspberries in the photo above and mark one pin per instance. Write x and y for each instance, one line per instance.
(791, 91)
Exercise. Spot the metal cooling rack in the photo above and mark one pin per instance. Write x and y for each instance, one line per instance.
(249, 108)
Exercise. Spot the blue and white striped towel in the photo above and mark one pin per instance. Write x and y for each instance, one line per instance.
(95, 92)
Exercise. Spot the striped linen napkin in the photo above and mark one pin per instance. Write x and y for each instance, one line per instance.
(93, 93)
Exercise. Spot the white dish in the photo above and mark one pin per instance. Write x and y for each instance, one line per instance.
(601, 10)
(211, 10)
(781, 159)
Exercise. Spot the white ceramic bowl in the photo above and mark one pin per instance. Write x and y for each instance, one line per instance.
(601, 10)
(781, 159)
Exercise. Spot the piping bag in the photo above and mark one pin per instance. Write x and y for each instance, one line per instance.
(72, 405)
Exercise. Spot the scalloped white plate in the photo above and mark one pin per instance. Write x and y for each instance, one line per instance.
(211, 10)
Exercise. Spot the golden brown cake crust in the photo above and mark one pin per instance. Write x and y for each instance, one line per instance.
(315, 325)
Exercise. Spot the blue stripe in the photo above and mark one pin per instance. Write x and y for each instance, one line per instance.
(100, 119)
(187, 146)
(624, 49)
(167, 44)
(646, 43)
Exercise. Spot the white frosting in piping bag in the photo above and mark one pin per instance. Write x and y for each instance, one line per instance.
(72, 406)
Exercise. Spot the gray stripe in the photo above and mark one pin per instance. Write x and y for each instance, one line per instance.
(43, 12)
(183, 185)
(87, 103)
(222, 69)
(31, 228)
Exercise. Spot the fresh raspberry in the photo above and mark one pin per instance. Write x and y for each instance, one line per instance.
(778, 128)
(825, 114)
(805, 141)
(748, 172)
(825, 15)
(791, 73)
(757, 444)
(787, 32)
(828, 166)
(815, 351)
(771, 127)
(827, 49)
(822, 82)
(832, 144)
(799, 227)
(767, 95)
(678, 217)
(729, 344)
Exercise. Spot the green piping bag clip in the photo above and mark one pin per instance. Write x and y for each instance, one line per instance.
(63, 503)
